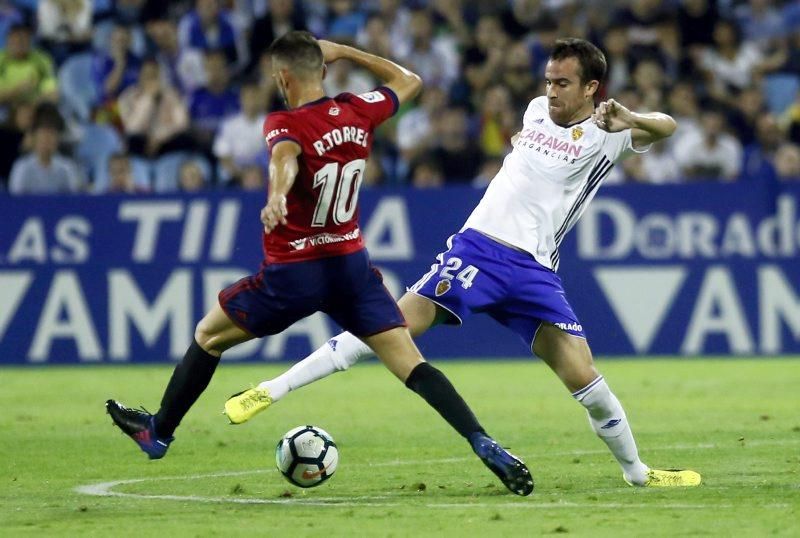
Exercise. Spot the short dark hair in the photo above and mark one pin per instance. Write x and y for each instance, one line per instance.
(47, 116)
(591, 59)
(299, 50)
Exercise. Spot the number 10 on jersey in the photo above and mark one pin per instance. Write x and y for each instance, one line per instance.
(339, 190)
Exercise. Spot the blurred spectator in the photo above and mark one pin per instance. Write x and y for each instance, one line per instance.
(252, 178)
(457, 153)
(618, 58)
(135, 12)
(190, 177)
(748, 108)
(483, 61)
(427, 173)
(26, 73)
(206, 27)
(791, 120)
(695, 17)
(240, 141)
(44, 171)
(633, 170)
(760, 21)
(731, 64)
(518, 76)
(711, 152)
(346, 77)
(120, 175)
(487, 172)
(648, 79)
(498, 121)
(64, 27)
(398, 16)
(117, 69)
(182, 67)
(154, 115)
(416, 128)
(759, 156)
(9, 16)
(792, 63)
(282, 16)
(346, 20)
(210, 105)
(434, 58)
(787, 162)
(682, 105)
(652, 30)
(659, 165)
(15, 138)
(450, 14)
(522, 17)
(375, 37)
(266, 84)
(374, 174)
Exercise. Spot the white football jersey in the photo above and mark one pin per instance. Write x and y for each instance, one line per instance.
(546, 182)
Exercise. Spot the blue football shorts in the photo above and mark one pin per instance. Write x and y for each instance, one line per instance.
(347, 288)
(479, 275)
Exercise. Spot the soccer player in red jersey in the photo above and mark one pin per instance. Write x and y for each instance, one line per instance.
(315, 258)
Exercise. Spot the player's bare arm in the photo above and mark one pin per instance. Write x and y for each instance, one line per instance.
(613, 117)
(283, 170)
(405, 84)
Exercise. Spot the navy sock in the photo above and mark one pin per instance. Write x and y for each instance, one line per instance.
(188, 381)
(437, 390)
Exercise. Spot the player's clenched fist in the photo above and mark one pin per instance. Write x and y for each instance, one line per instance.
(612, 117)
(274, 212)
(330, 51)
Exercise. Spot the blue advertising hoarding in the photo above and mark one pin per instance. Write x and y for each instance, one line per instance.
(674, 270)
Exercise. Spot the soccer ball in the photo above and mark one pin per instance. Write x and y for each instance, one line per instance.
(306, 456)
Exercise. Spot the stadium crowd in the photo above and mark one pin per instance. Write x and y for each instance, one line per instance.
(152, 96)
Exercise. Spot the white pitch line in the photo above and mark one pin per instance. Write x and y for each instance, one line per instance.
(106, 489)
(698, 446)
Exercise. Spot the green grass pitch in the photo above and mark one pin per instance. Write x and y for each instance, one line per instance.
(402, 471)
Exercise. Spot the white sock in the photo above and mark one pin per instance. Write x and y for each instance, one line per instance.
(610, 423)
(337, 354)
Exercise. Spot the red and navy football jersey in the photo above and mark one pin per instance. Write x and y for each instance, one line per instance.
(335, 135)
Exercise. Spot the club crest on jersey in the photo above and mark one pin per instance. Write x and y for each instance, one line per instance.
(333, 111)
(442, 287)
(577, 132)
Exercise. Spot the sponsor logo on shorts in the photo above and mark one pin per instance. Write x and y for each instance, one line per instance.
(577, 327)
(332, 342)
(323, 239)
(442, 287)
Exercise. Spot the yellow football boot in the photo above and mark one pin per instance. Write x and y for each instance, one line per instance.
(669, 478)
(244, 405)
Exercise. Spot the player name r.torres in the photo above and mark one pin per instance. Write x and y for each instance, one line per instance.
(339, 136)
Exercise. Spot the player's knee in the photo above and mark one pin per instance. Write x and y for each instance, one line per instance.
(205, 336)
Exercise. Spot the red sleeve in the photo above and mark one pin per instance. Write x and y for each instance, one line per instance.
(378, 105)
(278, 127)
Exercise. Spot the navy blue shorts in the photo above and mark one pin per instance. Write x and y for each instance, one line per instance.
(347, 288)
(476, 274)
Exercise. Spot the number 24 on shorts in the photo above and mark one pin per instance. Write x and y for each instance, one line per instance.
(465, 276)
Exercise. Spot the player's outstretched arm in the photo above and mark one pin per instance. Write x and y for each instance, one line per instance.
(283, 169)
(645, 129)
(405, 84)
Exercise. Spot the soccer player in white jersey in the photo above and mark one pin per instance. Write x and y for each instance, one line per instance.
(565, 149)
